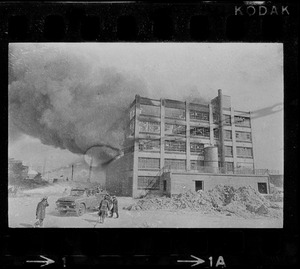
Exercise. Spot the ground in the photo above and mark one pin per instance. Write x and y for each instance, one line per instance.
(21, 214)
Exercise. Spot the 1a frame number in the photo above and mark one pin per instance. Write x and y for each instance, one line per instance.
(220, 262)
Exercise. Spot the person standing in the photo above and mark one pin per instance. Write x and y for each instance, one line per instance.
(110, 206)
(41, 212)
(115, 206)
(103, 208)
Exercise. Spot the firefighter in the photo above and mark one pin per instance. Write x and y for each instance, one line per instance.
(115, 206)
(103, 208)
(41, 212)
(110, 206)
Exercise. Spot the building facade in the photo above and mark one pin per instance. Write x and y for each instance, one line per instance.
(168, 137)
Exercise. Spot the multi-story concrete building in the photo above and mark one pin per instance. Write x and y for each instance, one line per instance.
(171, 146)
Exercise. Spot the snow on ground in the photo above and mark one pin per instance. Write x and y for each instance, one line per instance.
(21, 214)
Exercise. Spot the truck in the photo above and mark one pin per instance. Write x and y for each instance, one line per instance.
(79, 201)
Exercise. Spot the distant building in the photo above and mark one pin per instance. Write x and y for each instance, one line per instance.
(12, 162)
(32, 174)
(172, 146)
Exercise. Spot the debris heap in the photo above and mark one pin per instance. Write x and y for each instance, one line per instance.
(241, 201)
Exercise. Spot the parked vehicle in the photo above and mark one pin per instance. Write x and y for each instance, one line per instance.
(79, 201)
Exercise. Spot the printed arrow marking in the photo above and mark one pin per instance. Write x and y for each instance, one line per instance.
(47, 261)
(197, 261)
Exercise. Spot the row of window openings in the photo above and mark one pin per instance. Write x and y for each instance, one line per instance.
(240, 136)
(154, 163)
(170, 129)
(174, 129)
(153, 183)
(176, 113)
(194, 115)
(178, 146)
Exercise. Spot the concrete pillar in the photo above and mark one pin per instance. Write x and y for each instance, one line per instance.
(211, 125)
(252, 140)
(136, 147)
(162, 133)
(221, 130)
(187, 136)
(233, 138)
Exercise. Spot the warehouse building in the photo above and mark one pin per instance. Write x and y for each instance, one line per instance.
(173, 146)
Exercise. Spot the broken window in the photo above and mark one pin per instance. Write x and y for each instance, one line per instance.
(229, 166)
(175, 164)
(242, 121)
(175, 146)
(174, 129)
(227, 134)
(244, 152)
(149, 127)
(215, 117)
(243, 136)
(198, 185)
(228, 151)
(131, 128)
(149, 145)
(199, 115)
(197, 164)
(199, 131)
(175, 113)
(262, 188)
(227, 119)
(150, 110)
(164, 185)
(216, 133)
(197, 148)
(148, 183)
(149, 163)
(132, 112)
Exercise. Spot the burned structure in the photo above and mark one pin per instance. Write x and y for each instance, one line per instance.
(173, 146)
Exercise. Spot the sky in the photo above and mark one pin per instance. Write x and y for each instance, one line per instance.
(251, 73)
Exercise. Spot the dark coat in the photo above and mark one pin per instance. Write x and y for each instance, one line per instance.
(104, 205)
(41, 209)
(115, 205)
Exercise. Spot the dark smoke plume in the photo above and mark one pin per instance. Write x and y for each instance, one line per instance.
(68, 100)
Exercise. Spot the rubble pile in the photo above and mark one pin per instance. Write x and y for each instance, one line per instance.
(276, 194)
(242, 201)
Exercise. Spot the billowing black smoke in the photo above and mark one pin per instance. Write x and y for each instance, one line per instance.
(67, 100)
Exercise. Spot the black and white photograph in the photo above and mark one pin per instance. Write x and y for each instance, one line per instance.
(145, 135)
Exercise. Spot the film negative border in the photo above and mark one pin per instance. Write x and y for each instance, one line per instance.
(205, 22)
(211, 22)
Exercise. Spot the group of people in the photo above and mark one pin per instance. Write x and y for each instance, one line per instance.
(108, 207)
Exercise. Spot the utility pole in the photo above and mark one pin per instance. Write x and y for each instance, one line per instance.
(72, 171)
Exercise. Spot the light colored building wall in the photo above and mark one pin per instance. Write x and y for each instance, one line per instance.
(183, 182)
(162, 115)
